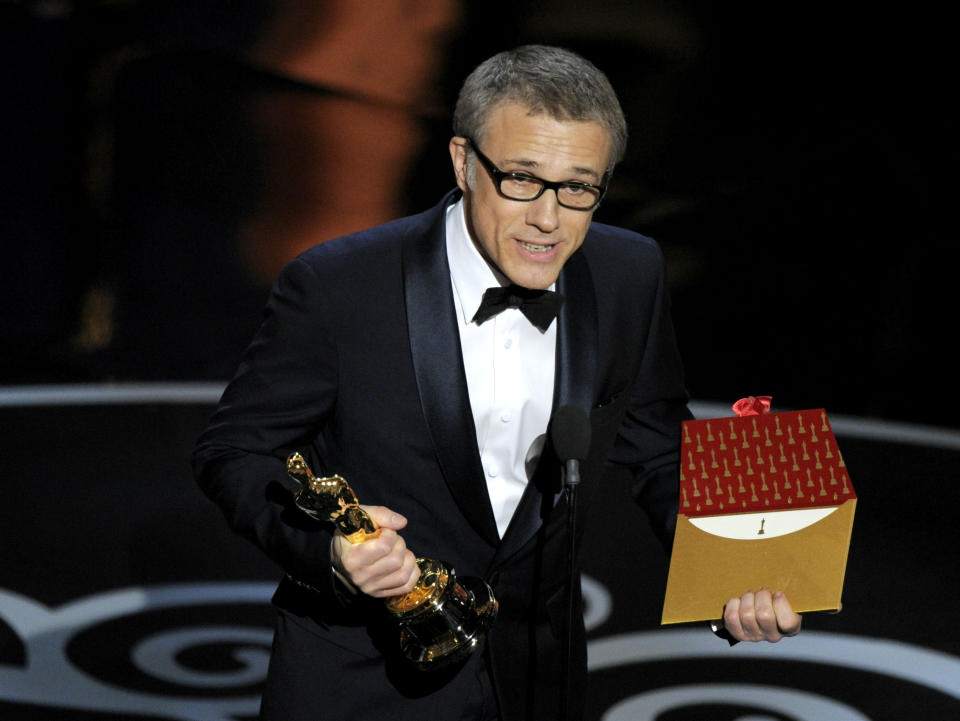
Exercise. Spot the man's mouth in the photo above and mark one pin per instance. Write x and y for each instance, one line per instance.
(535, 248)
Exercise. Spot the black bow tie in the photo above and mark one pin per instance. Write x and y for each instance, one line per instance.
(540, 306)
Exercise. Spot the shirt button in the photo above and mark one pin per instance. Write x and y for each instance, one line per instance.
(492, 471)
(506, 416)
(508, 343)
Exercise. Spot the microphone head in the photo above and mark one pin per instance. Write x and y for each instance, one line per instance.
(570, 432)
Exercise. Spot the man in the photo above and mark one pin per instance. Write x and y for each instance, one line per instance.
(374, 361)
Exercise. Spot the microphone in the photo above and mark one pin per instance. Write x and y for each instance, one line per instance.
(570, 432)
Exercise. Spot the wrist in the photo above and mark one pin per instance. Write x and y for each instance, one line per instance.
(341, 582)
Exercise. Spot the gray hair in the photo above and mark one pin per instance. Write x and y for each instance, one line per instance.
(545, 79)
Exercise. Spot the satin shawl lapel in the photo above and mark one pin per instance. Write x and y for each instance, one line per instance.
(441, 379)
(573, 384)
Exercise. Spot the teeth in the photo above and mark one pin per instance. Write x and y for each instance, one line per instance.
(535, 248)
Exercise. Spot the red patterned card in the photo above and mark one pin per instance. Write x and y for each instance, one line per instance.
(761, 463)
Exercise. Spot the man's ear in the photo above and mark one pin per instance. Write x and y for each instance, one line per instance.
(458, 156)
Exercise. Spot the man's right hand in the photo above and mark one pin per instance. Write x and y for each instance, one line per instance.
(381, 567)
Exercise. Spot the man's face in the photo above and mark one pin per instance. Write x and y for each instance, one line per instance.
(530, 241)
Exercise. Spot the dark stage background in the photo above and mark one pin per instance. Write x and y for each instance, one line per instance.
(160, 160)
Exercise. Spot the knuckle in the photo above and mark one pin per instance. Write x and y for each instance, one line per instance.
(766, 616)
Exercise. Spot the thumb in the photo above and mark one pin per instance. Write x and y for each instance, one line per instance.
(385, 517)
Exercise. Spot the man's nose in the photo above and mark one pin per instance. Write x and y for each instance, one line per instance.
(544, 212)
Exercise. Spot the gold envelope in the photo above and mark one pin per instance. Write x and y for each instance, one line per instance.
(765, 502)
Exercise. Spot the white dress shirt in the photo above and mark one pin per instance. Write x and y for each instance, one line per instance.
(510, 369)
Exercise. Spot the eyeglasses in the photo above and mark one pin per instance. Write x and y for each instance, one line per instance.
(525, 187)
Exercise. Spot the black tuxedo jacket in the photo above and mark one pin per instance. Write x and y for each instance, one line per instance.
(358, 365)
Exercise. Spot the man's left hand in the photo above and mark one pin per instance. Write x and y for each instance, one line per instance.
(761, 616)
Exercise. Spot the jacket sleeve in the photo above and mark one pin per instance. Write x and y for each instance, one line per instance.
(648, 439)
(278, 401)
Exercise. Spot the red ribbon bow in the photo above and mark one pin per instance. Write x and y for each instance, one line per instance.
(752, 406)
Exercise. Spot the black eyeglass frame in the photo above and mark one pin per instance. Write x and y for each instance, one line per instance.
(498, 176)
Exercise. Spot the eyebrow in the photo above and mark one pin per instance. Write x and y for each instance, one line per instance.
(576, 170)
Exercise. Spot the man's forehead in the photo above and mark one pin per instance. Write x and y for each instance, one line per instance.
(536, 114)
(529, 137)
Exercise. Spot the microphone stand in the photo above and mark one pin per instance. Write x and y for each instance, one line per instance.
(571, 439)
(571, 481)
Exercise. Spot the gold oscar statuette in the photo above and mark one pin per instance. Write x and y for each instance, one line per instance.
(443, 619)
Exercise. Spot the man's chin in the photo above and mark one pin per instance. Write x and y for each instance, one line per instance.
(536, 285)
(535, 281)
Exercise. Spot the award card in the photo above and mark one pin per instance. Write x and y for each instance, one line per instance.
(765, 502)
